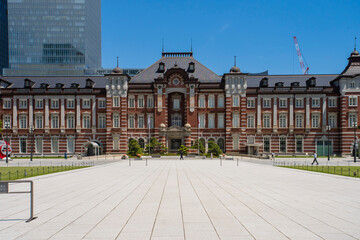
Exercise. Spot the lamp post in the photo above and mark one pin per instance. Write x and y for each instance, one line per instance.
(328, 128)
(355, 126)
(7, 127)
(32, 142)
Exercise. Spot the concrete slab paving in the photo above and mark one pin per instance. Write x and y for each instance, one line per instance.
(191, 199)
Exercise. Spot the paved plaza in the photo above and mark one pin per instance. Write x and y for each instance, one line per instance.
(191, 199)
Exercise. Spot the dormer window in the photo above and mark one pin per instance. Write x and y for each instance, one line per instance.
(74, 85)
(161, 67)
(191, 67)
(89, 83)
(264, 82)
(28, 83)
(59, 85)
(44, 85)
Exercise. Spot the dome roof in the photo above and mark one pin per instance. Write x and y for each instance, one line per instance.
(117, 70)
(355, 53)
(162, 125)
(187, 125)
(235, 69)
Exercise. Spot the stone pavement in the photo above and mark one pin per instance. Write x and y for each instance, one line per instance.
(191, 199)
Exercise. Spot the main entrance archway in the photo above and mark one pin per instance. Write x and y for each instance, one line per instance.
(91, 148)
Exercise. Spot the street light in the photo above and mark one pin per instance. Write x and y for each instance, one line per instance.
(328, 128)
(355, 126)
(7, 127)
(32, 142)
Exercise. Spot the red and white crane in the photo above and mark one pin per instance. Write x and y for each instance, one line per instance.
(304, 69)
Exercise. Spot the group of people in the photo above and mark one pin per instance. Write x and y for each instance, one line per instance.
(314, 161)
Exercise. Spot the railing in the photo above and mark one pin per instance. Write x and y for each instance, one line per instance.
(177, 54)
(4, 189)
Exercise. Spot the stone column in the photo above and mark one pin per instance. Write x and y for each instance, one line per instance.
(93, 112)
(78, 113)
(31, 111)
(259, 114)
(15, 114)
(307, 114)
(291, 114)
(62, 113)
(275, 124)
(324, 117)
(47, 115)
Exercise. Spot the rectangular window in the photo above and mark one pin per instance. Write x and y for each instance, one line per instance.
(22, 104)
(101, 103)
(332, 121)
(299, 102)
(23, 121)
(7, 103)
(7, 121)
(315, 120)
(251, 103)
(220, 101)
(266, 121)
(38, 145)
(266, 144)
(211, 101)
(150, 121)
(176, 103)
(236, 101)
(150, 102)
(54, 121)
(70, 103)
(282, 121)
(201, 101)
(202, 121)
(315, 102)
(352, 85)
(235, 120)
(220, 120)
(38, 121)
(70, 121)
(299, 145)
(39, 104)
(115, 143)
(283, 103)
(116, 102)
(86, 121)
(54, 103)
(86, 103)
(332, 102)
(131, 102)
(211, 119)
(176, 120)
(250, 121)
(352, 119)
(140, 101)
(116, 120)
(352, 101)
(23, 145)
(283, 144)
(102, 121)
(131, 122)
(266, 103)
(54, 145)
(141, 121)
(71, 145)
(299, 120)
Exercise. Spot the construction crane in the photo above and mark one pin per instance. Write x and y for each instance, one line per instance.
(304, 69)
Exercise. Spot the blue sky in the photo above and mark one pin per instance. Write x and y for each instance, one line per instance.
(259, 32)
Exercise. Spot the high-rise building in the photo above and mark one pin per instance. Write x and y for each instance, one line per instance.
(4, 50)
(54, 35)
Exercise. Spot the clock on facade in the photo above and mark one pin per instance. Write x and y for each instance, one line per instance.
(176, 81)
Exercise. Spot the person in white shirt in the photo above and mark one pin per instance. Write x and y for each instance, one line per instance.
(315, 159)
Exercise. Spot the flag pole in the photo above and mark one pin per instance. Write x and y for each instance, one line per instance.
(149, 132)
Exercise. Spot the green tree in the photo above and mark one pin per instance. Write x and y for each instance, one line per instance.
(183, 149)
(134, 148)
(214, 149)
(199, 146)
(155, 146)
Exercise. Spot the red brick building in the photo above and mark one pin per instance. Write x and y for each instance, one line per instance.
(178, 100)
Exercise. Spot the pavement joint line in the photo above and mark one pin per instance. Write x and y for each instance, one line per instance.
(134, 188)
(224, 205)
(284, 214)
(54, 193)
(160, 172)
(111, 186)
(181, 207)
(319, 200)
(202, 204)
(157, 212)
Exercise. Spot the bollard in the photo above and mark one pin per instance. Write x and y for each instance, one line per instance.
(220, 161)
(349, 172)
(9, 175)
(25, 173)
(32, 172)
(146, 160)
(0, 176)
(129, 162)
(237, 162)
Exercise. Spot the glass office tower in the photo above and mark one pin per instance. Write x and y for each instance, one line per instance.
(4, 47)
(50, 34)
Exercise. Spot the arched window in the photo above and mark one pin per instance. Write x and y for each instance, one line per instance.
(221, 144)
(202, 141)
(141, 143)
(116, 120)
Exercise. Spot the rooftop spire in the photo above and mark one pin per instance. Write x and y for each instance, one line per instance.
(355, 44)
(234, 61)
(191, 45)
(162, 47)
(117, 61)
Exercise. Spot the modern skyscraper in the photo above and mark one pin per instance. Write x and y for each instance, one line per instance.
(54, 34)
(4, 50)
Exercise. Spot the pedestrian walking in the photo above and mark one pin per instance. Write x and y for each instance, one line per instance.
(181, 155)
(315, 159)
(272, 156)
